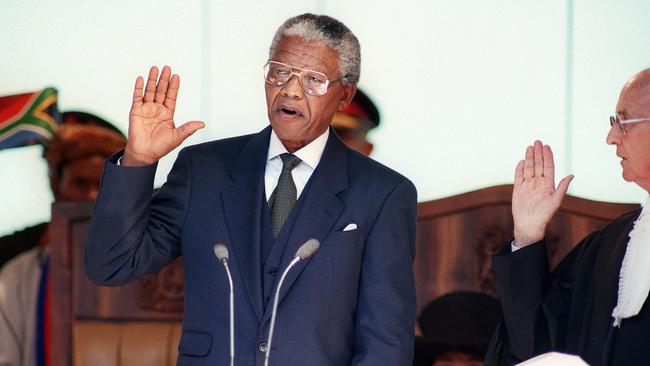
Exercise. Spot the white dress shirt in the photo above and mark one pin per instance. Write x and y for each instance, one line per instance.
(310, 155)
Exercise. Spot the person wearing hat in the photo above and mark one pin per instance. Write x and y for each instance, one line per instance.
(75, 159)
(353, 123)
(456, 329)
(20, 241)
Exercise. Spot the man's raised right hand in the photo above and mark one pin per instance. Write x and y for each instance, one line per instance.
(152, 132)
(535, 199)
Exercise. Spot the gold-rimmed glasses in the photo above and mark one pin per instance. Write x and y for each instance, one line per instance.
(312, 82)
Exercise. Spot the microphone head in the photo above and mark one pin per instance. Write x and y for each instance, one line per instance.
(220, 251)
(308, 249)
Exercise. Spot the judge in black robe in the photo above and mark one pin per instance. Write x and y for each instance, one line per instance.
(570, 309)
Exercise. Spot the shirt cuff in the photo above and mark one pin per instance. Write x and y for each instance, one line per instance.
(513, 246)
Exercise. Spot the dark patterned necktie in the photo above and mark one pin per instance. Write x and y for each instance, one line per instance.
(285, 194)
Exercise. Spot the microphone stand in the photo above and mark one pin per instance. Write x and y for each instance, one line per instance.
(275, 310)
(304, 252)
(221, 253)
(232, 315)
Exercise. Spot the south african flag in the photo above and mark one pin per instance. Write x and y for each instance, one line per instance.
(27, 119)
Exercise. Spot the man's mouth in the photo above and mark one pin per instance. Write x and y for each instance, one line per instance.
(289, 112)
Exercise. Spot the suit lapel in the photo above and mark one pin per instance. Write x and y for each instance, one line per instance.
(242, 203)
(319, 211)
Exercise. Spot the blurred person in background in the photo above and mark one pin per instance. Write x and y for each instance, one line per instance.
(353, 123)
(456, 329)
(75, 159)
(28, 238)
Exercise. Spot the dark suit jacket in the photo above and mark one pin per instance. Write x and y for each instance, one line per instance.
(352, 303)
(570, 309)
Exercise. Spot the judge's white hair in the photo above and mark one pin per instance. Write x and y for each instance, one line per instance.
(330, 32)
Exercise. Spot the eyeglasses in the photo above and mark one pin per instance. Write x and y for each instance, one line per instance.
(616, 120)
(312, 82)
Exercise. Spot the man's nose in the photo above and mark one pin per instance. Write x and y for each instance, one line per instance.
(613, 136)
(292, 88)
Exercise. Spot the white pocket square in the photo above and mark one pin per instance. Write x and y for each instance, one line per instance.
(350, 227)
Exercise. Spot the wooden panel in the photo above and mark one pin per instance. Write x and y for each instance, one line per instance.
(457, 235)
(155, 297)
(61, 280)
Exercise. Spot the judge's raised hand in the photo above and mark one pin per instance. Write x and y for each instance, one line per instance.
(152, 131)
(535, 199)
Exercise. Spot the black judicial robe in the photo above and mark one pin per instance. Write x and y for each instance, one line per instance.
(568, 310)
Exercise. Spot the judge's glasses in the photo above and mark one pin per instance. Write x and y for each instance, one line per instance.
(312, 82)
(619, 124)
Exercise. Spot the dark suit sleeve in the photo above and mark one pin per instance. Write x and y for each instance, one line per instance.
(385, 319)
(130, 233)
(535, 302)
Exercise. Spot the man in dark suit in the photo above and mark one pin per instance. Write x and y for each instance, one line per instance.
(594, 303)
(264, 195)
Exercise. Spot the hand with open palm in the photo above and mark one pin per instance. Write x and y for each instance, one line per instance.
(535, 199)
(152, 131)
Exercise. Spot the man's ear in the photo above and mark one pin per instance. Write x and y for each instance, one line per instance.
(367, 148)
(349, 90)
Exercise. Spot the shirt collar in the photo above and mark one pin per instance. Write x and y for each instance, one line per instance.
(310, 154)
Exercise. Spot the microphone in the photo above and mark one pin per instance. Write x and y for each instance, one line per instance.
(304, 252)
(221, 252)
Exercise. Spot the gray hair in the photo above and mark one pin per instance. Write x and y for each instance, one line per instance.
(330, 32)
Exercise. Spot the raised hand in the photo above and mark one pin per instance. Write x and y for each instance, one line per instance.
(152, 132)
(535, 199)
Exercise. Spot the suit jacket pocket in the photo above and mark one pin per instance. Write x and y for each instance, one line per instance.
(195, 343)
(342, 237)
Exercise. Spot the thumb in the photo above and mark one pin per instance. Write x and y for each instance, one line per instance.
(187, 129)
(563, 186)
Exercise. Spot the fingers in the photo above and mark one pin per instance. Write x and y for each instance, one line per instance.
(161, 89)
(563, 186)
(538, 159)
(549, 163)
(187, 129)
(529, 166)
(172, 92)
(150, 91)
(519, 172)
(137, 90)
